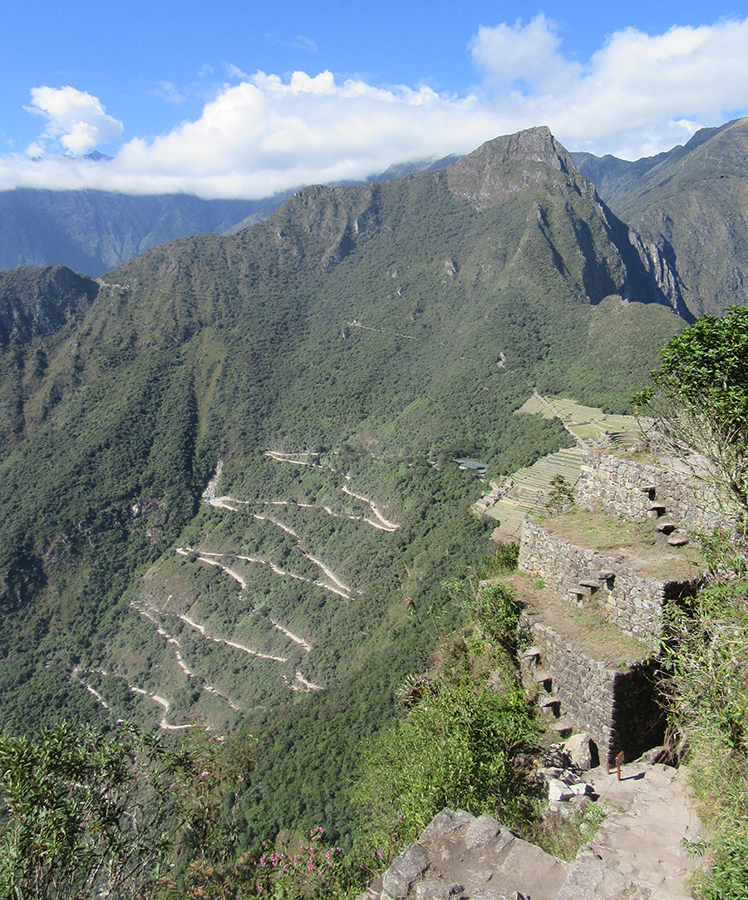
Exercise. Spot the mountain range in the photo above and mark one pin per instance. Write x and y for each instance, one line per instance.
(227, 463)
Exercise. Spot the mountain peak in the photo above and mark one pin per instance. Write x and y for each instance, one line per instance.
(508, 164)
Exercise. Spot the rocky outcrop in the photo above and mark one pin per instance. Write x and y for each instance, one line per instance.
(469, 858)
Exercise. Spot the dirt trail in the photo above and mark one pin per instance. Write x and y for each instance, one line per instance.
(217, 693)
(235, 575)
(156, 698)
(304, 685)
(384, 524)
(292, 458)
(292, 637)
(169, 639)
(217, 640)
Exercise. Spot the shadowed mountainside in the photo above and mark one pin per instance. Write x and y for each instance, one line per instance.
(691, 204)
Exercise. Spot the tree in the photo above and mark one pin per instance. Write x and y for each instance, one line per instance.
(89, 814)
(699, 402)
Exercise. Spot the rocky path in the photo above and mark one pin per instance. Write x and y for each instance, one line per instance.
(639, 845)
(636, 854)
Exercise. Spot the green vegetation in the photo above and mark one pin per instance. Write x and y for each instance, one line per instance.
(335, 359)
(700, 402)
(90, 813)
(708, 662)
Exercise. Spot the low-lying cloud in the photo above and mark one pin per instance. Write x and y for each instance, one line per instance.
(637, 95)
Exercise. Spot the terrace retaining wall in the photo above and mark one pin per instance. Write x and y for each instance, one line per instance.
(630, 488)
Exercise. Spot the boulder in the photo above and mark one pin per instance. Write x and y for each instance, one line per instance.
(557, 790)
(404, 871)
(579, 749)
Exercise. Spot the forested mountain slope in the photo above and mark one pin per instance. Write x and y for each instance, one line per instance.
(691, 202)
(314, 375)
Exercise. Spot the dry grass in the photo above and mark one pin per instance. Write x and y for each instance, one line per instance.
(635, 545)
(586, 629)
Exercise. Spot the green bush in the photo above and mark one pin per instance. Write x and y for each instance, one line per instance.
(454, 750)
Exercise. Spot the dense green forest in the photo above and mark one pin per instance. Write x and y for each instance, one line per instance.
(330, 363)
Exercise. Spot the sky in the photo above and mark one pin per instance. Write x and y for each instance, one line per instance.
(237, 99)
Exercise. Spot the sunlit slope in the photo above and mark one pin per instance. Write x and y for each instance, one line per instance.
(371, 333)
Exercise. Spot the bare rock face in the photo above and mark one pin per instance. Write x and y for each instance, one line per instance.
(509, 164)
(460, 856)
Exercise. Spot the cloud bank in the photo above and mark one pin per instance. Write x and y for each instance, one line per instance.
(637, 95)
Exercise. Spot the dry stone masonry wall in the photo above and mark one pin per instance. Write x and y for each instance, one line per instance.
(639, 490)
(615, 704)
(616, 707)
(583, 686)
(587, 579)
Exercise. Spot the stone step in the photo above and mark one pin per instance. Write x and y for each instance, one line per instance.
(656, 510)
(541, 676)
(678, 540)
(665, 526)
(589, 586)
(561, 726)
(530, 653)
(549, 701)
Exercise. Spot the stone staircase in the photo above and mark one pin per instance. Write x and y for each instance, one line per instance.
(537, 678)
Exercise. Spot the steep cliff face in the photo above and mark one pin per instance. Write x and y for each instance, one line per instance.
(690, 203)
(571, 226)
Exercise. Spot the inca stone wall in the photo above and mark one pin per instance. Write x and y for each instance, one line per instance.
(584, 686)
(638, 490)
(585, 578)
(616, 707)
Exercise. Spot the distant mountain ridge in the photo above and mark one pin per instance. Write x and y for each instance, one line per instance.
(94, 231)
(692, 204)
(687, 207)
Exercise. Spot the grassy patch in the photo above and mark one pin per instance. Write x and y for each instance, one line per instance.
(636, 544)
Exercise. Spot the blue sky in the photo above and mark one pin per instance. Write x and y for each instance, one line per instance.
(241, 99)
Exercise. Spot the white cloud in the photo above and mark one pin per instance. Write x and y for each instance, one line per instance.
(74, 118)
(529, 54)
(169, 92)
(637, 95)
(235, 72)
